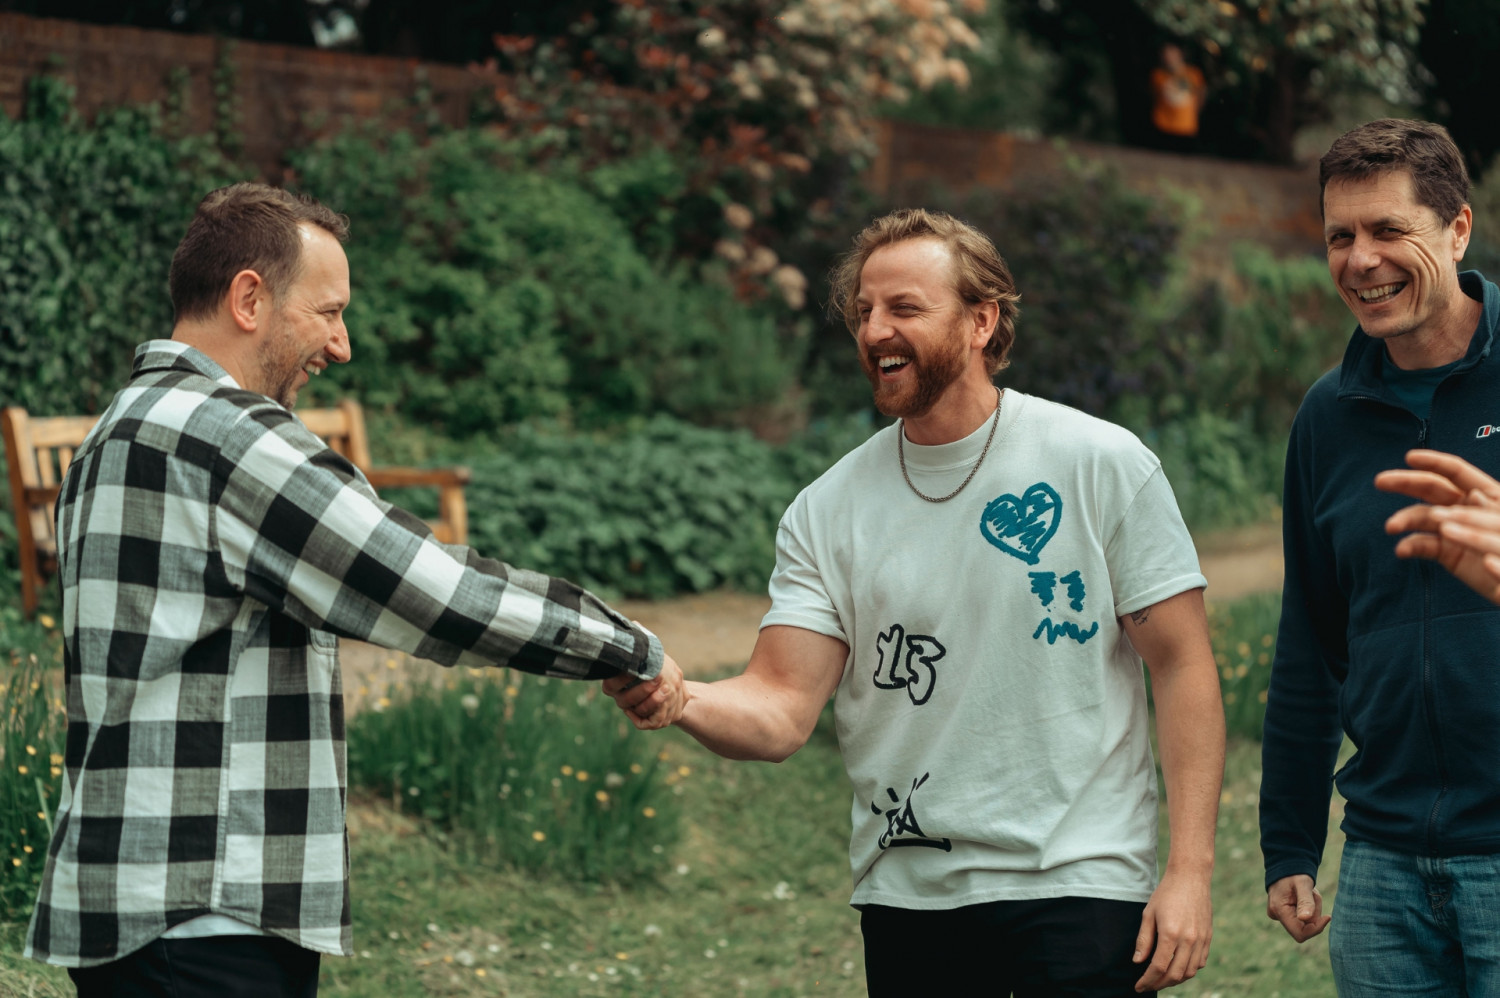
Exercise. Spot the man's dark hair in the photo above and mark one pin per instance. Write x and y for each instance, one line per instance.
(1420, 148)
(979, 272)
(243, 227)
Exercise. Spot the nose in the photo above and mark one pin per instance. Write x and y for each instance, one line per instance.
(338, 348)
(1364, 253)
(876, 327)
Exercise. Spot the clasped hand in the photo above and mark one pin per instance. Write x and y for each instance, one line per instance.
(650, 703)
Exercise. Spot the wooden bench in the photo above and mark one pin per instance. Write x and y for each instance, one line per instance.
(39, 449)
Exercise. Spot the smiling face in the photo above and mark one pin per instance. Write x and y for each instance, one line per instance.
(305, 330)
(914, 331)
(1393, 262)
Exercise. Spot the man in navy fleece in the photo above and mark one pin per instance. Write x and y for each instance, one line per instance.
(1395, 653)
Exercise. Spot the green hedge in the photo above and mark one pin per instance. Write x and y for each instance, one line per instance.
(665, 509)
(487, 293)
(89, 217)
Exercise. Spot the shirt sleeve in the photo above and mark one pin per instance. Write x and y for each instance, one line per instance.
(1151, 554)
(799, 592)
(1302, 730)
(299, 529)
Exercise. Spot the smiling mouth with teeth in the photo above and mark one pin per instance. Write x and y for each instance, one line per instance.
(892, 364)
(1374, 296)
(312, 370)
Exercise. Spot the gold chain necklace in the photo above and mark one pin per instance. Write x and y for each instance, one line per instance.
(901, 453)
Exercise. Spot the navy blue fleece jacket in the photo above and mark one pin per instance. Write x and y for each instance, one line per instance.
(1398, 654)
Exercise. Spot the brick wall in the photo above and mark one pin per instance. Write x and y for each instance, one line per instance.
(1238, 202)
(283, 95)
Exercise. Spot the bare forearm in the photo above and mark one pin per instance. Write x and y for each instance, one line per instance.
(1190, 736)
(743, 718)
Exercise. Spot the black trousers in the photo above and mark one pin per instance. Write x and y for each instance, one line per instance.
(1053, 948)
(210, 967)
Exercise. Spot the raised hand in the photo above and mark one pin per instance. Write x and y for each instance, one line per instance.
(1457, 524)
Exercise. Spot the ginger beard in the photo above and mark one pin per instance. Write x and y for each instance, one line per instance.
(929, 376)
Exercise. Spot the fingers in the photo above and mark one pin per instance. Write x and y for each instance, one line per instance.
(650, 704)
(1427, 486)
(1177, 943)
(1455, 469)
(1298, 906)
(1474, 528)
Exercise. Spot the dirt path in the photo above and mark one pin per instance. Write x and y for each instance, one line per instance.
(711, 631)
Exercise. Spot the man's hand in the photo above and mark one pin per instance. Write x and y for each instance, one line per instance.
(1297, 905)
(652, 703)
(1457, 524)
(1176, 929)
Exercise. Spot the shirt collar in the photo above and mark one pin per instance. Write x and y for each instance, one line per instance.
(166, 355)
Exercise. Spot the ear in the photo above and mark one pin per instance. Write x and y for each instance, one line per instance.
(249, 300)
(986, 316)
(1463, 227)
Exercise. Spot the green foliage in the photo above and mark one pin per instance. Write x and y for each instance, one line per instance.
(542, 774)
(1089, 255)
(89, 217)
(1229, 374)
(668, 508)
(1243, 633)
(489, 293)
(31, 746)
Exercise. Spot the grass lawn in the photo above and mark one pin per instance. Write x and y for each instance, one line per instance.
(754, 903)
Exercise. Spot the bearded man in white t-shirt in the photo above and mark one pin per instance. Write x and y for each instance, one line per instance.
(978, 585)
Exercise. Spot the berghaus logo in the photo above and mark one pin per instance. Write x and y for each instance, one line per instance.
(1485, 431)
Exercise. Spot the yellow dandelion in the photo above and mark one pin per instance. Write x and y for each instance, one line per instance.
(539, 836)
(384, 702)
(56, 771)
(46, 621)
(601, 796)
(22, 770)
(1241, 671)
(390, 663)
(567, 770)
(1267, 640)
(448, 958)
(511, 691)
(364, 691)
(1262, 697)
(480, 972)
(622, 956)
(1226, 797)
(56, 758)
(635, 767)
(31, 750)
(15, 862)
(1243, 648)
(26, 849)
(583, 776)
(1264, 658)
(649, 812)
(684, 770)
(663, 755)
(1228, 672)
(1231, 697)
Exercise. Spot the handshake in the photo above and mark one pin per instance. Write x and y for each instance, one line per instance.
(650, 703)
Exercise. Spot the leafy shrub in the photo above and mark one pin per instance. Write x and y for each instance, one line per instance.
(1223, 473)
(89, 217)
(488, 293)
(541, 773)
(669, 508)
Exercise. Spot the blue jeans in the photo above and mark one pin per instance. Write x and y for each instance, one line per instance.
(1409, 925)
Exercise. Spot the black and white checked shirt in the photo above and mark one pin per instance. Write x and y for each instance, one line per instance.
(210, 550)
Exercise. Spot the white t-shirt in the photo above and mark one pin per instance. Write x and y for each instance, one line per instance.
(992, 713)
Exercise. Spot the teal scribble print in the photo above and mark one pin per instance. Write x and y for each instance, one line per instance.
(1074, 582)
(1022, 525)
(1042, 584)
(1065, 629)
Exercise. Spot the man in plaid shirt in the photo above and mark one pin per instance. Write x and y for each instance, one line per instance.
(211, 549)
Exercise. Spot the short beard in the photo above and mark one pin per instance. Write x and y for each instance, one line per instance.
(279, 367)
(935, 373)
